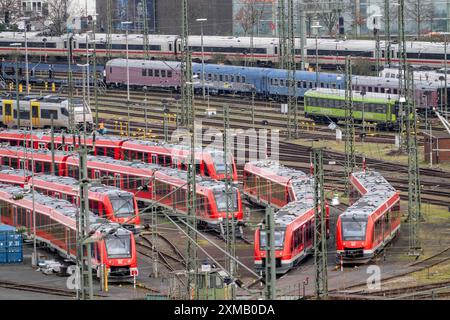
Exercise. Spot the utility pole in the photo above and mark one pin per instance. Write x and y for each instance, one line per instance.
(188, 120)
(414, 198)
(387, 33)
(376, 34)
(52, 145)
(302, 36)
(320, 234)
(350, 159)
(109, 28)
(17, 90)
(282, 34)
(403, 71)
(85, 288)
(70, 86)
(145, 31)
(445, 77)
(289, 59)
(231, 234)
(269, 229)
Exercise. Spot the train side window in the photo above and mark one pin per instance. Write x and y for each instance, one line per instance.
(169, 73)
(376, 89)
(276, 50)
(163, 73)
(161, 160)
(144, 72)
(220, 77)
(238, 79)
(231, 78)
(110, 70)
(243, 79)
(215, 77)
(226, 78)
(370, 89)
(281, 83)
(170, 47)
(149, 72)
(156, 73)
(209, 76)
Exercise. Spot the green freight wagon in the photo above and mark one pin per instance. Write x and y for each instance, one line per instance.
(329, 104)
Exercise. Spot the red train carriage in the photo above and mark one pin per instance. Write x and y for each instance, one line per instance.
(139, 178)
(291, 191)
(20, 158)
(105, 201)
(56, 228)
(210, 163)
(294, 237)
(102, 146)
(269, 182)
(367, 226)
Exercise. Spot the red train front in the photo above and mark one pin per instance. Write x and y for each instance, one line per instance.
(371, 222)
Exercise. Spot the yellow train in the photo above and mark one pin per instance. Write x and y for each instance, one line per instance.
(37, 112)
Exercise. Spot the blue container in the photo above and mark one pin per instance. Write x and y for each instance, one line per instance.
(10, 245)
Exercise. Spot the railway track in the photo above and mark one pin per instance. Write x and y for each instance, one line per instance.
(40, 289)
(359, 289)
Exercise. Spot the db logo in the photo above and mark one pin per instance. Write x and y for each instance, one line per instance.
(374, 280)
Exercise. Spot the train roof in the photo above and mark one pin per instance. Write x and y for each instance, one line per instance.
(140, 63)
(94, 187)
(391, 82)
(278, 169)
(319, 92)
(379, 191)
(290, 212)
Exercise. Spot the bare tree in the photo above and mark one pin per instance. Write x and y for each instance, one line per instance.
(329, 20)
(58, 14)
(248, 17)
(8, 8)
(420, 11)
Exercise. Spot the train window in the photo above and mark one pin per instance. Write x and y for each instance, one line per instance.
(209, 76)
(46, 114)
(238, 79)
(149, 72)
(169, 73)
(243, 79)
(281, 83)
(231, 78)
(156, 73)
(322, 85)
(144, 72)
(163, 73)
(369, 89)
(215, 77)
(377, 89)
(220, 77)
(226, 78)
(161, 160)
(275, 50)
(382, 90)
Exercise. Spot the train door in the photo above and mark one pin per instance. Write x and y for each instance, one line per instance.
(7, 111)
(117, 180)
(35, 106)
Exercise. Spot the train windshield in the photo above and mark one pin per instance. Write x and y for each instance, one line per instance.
(219, 162)
(118, 246)
(221, 200)
(279, 239)
(122, 205)
(354, 229)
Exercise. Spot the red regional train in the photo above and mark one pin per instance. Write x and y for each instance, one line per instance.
(210, 163)
(105, 201)
(371, 222)
(56, 228)
(140, 179)
(291, 191)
